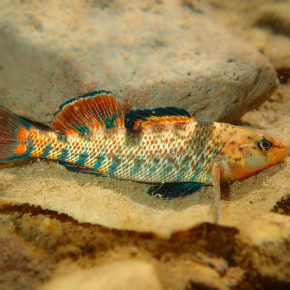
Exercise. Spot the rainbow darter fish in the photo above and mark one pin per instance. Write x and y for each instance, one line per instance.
(164, 146)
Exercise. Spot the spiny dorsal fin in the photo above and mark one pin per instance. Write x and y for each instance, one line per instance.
(144, 118)
(92, 111)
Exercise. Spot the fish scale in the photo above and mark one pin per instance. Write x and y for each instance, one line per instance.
(164, 145)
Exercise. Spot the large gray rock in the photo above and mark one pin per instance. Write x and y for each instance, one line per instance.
(148, 53)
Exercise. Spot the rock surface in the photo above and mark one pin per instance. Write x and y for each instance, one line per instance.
(129, 275)
(262, 24)
(268, 237)
(174, 56)
(19, 263)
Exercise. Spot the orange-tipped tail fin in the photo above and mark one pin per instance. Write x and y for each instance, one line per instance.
(13, 134)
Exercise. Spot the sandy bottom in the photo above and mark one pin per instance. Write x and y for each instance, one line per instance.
(125, 205)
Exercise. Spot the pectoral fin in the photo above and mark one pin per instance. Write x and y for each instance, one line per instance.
(174, 190)
(216, 172)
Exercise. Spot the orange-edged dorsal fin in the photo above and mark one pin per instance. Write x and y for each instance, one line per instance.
(92, 111)
(144, 118)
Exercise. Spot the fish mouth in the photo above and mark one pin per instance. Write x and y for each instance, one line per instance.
(282, 151)
(283, 147)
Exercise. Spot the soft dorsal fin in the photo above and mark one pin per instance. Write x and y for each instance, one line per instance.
(92, 111)
(144, 118)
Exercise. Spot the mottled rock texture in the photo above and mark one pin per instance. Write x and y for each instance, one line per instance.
(267, 245)
(20, 263)
(149, 54)
(53, 250)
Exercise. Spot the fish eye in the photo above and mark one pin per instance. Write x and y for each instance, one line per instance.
(264, 145)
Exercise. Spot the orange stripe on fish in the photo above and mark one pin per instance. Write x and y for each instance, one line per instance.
(22, 134)
(20, 149)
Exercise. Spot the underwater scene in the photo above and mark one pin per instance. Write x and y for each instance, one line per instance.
(144, 144)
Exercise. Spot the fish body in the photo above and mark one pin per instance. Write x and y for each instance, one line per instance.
(165, 146)
(163, 153)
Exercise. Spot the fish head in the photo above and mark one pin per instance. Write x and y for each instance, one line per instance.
(249, 151)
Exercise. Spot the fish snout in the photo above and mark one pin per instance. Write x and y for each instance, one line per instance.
(283, 148)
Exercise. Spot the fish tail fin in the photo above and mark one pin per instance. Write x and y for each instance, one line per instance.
(13, 136)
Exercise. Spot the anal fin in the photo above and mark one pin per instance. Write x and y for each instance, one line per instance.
(82, 169)
(174, 189)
